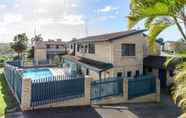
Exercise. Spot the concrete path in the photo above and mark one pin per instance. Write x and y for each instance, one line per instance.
(164, 109)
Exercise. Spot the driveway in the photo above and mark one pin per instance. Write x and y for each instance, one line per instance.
(164, 109)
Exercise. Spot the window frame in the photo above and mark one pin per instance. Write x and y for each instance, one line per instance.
(128, 49)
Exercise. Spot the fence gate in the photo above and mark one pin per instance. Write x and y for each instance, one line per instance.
(106, 87)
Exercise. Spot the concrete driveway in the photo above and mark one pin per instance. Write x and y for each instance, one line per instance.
(164, 109)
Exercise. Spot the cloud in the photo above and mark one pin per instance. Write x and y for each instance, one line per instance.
(107, 8)
(2, 6)
(70, 20)
(10, 18)
(104, 18)
(41, 10)
(53, 19)
(74, 5)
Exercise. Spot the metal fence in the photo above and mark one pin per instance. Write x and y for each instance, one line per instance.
(56, 88)
(14, 79)
(141, 86)
(106, 87)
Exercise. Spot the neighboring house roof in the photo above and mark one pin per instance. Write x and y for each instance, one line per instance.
(110, 36)
(157, 62)
(95, 65)
(43, 44)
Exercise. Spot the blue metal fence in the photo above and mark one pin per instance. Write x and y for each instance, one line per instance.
(106, 87)
(56, 88)
(141, 86)
(14, 79)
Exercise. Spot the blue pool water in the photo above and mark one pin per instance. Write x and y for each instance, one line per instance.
(36, 73)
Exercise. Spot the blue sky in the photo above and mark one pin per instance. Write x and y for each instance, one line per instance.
(66, 19)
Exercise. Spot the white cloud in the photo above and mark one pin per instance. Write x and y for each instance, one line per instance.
(3, 6)
(107, 8)
(53, 19)
(9, 18)
(104, 18)
(72, 20)
(74, 5)
(41, 10)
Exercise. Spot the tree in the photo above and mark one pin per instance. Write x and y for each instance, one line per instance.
(20, 43)
(30, 53)
(36, 38)
(158, 15)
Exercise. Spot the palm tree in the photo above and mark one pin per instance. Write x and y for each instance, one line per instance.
(159, 15)
(36, 38)
(20, 43)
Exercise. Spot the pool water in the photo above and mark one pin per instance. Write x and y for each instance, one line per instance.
(37, 73)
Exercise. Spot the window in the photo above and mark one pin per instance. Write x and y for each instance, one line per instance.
(149, 69)
(119, 74)
(129, 74)
(78, 47)
(86, 48)
(57, 46)
(48, 46)
(82, 47)
(137, 73)
(91, 48)
(87, 72)
(128, 50)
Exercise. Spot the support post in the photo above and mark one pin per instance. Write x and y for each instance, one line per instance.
(26, 94)
(125, 89)
(87, 89)
(157, 90)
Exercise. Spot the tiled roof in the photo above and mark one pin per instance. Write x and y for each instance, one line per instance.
(97, 65)
(110, 36)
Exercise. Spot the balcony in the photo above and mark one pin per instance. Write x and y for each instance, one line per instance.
(55, 51)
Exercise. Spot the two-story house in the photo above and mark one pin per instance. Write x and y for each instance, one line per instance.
(108, 55)
(47, 50)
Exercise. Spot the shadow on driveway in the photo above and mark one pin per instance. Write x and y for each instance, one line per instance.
(165, 109)
(74, 112)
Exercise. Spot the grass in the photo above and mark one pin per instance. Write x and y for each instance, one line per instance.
(7, 101)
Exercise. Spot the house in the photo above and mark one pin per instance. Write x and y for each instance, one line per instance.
(113, 54)
(47, 50)
(172, 46)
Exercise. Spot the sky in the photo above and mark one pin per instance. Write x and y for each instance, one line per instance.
(66, 19)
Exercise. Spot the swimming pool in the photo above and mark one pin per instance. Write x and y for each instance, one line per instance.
(37, 73)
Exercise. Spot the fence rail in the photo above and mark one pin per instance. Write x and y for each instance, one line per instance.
(141, 86)
(56, 88)
(14, 79)
(106, 87)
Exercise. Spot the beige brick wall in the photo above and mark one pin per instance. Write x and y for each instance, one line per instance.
(26, 94)
(40, 54)
(102, 52)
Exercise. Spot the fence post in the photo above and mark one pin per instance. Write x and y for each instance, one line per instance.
(26, 94)
(125, 89)
(87, 89)
(157, 90)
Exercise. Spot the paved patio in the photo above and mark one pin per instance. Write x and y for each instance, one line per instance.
(164, 109)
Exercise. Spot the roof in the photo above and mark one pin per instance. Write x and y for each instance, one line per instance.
(95, 65)
(157, 62)
(111, 36)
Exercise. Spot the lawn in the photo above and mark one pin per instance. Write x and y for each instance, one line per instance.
(7, 101)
